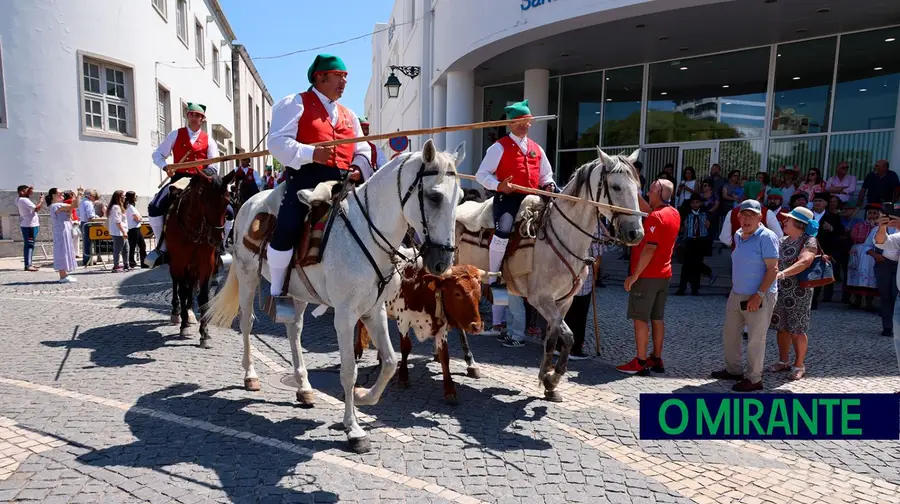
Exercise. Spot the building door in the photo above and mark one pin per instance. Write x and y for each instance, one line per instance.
(699, 156)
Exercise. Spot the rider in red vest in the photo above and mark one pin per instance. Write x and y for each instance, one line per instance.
(299, 120)
(515, 159)
(378, 159)
(186, 144)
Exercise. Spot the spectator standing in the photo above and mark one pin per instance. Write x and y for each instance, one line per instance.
(118, 230)
(830, 235)
(813, 184)
(696, 238)
(135, 238)
(29, 222)
(754, 266)
(861, 281)
(756, 189)
(842, 184)
(87, 213)
(576, 317)
(880, 185)
(885, 274)
(732, 192)
(63, 246)
(651, 273)
(891, 242)
(733, 222)
(790, 317)
(788, 184)
(686, 189)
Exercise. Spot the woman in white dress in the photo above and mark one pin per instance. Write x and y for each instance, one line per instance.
(63, 244)
(686, 189)
(861, 266)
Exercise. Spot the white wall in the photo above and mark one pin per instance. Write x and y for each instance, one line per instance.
(248, 88)
(44, 144)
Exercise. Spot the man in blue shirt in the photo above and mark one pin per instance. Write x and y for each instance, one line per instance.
(754, 266)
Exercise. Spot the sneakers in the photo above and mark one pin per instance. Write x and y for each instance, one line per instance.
(493, 331)
(578, 354)
(655, 364)
(509, 342)
(68, 279)
(634, 366)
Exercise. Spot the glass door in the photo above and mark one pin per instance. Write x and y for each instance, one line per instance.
(699, 156)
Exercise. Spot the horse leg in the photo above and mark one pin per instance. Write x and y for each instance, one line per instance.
(405, 348)
(202, 300)
(176, 308)
(472, 370)
(376, 323)
(357, 438)
(247, 291)
(305, 394)
(556, 327)
(186, 295)
(450, 396)
(358, 343)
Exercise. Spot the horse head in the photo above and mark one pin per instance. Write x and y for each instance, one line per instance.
(429, 194)
(206, 199)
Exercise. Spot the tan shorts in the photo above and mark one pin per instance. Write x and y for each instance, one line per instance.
(647, 299)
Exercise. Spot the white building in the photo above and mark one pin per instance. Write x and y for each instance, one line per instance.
(620, 74)
(88, 88)
(252, 107)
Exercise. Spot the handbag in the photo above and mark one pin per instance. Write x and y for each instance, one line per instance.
(819, 273)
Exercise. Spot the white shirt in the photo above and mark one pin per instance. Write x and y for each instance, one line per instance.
(685, 194)
(283, 142)
(114, 220)
(891, 244)
(847, 185)
(818, 216)
(165, 149)
(381, 160)
(27, 214)
(486, 172)
(130, 212)
(727, 235)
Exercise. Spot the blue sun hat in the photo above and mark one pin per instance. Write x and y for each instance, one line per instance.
(804, 215)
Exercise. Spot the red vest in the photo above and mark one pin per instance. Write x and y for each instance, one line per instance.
(270, 182)
(524, 170)
(735, 224)
(195, 152)
(374, 154)
(315, 126)
(244, 175)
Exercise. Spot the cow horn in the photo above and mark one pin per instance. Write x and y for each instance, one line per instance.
(487, 275)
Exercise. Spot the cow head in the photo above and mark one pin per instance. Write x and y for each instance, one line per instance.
(461, 293)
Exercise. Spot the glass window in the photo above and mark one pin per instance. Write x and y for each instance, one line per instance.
(181, 20)
(109, 111)
(199, 51)
(569, 161)
(622, 106)
(802, 153)
(743, 155)
(496, 98)
(803, 74)
(868, 74)
(708, 98)
(579, 115)
(860, 151)
(552, 108)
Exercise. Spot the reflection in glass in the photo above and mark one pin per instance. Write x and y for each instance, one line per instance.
(708, 98)
(569, 161)
(743, 155)
(802, 153)
(622, 108)
(496, 98)
(579, 120)
(803, 74)
(867, 81)
(860, 151)
(552, 108)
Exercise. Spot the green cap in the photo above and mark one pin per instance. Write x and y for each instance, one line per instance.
(325, 63)
(776, 192)
(363, 121)
(517, 110)
(196, 107)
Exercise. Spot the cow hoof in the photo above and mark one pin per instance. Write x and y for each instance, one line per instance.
(306, 398)
(451, 399)
(473, 372)
(360, 445)
(192, 319)
(553, 396)
(175, 318)
(204, 343)
(251, 384)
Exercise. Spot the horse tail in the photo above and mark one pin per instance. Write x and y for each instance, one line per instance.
(224, 306)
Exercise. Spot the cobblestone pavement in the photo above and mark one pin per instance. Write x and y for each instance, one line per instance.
(103, 402)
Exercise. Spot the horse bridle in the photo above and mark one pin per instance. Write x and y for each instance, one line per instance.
(212, 234)
(418, 183)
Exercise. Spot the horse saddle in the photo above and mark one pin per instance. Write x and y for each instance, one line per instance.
(311, 242)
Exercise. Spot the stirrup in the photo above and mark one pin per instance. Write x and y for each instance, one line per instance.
(281, 309)
(153, 259)
(227, 259)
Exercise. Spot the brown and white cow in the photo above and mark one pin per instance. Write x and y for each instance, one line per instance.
(431, 306)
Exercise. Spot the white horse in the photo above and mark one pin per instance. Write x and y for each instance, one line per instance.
(420, 190)
(562, 246)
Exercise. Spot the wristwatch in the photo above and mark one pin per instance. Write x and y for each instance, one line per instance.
(761, 294)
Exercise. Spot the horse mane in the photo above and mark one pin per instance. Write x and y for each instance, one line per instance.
(581, 177)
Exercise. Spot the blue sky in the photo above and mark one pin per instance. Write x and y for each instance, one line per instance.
(273, 27)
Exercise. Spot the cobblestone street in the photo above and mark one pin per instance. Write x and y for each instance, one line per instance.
(104, 402)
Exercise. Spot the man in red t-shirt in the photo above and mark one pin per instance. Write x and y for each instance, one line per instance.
(651, 272)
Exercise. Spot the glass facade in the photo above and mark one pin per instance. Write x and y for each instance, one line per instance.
(806, 104)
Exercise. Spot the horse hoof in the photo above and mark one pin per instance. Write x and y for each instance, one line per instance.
(473, 372)
(403, 383)
(175, 318)
(251, 384)
(306, 398)
(192, 319)
(204, 343)
(437, 358)
(360, 445)
(553, 396)
(184, 333)
(549, 381)
(451, 399)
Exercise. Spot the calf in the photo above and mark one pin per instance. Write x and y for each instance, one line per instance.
(431, 305)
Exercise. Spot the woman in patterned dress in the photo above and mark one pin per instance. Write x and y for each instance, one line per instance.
(63, 244)
(861, 267)
(791, 314)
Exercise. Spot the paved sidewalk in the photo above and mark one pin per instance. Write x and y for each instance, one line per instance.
(104, 402)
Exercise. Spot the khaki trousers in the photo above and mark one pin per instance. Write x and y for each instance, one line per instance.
(757, 326)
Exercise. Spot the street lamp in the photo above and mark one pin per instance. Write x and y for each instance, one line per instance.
(393, 83)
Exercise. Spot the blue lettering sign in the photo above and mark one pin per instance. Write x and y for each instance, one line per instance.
(527, 4)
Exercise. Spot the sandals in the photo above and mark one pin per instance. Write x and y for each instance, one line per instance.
(797, 373)
(778, 367)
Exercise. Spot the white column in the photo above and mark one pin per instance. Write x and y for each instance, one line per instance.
(895, 148)
(537, 92)
(460, 110)
(439, 113)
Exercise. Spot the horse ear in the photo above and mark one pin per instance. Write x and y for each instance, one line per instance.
(459, 154)
(605, 159)
(429, 152)
(634, 156)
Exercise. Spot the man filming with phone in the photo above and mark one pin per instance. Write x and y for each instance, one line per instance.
(890, 243)
(754, 266)
(886, 261)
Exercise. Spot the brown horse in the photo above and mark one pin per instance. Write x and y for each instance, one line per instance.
(194, 231)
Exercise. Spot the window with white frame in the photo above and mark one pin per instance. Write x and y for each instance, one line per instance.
(163, 113)
(215, 63)
(3, 120)
(161, 7)
(106, 97)
(199, 45)
(183, 113)
(228, 82)
(181, 20)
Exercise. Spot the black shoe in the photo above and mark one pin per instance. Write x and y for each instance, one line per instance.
(747, 386)
(655, 364)
(578, 354)
(679, 292)
(725, 375)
